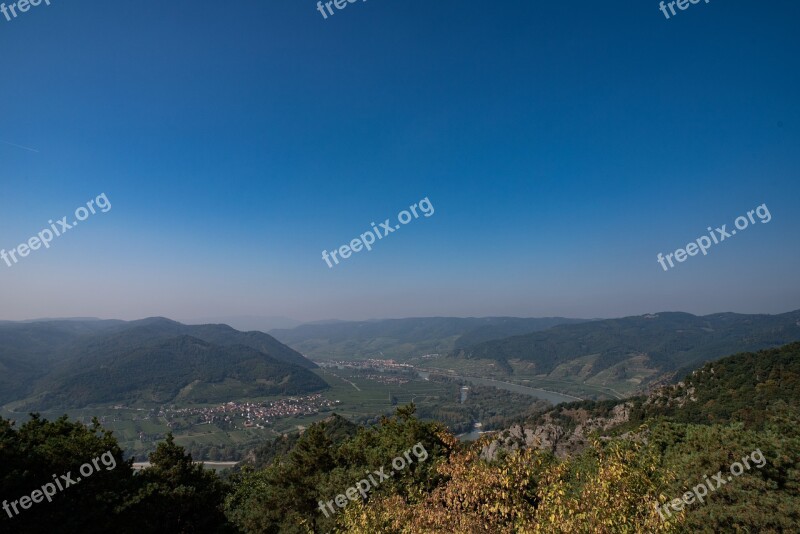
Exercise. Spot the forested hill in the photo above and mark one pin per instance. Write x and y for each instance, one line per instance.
(407, 337)
(219, 334)
(182, 368)
(744, 387)
(670, 341)
(74, 360)
(750, 389)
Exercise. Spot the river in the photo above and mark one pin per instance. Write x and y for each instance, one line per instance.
(551, 396)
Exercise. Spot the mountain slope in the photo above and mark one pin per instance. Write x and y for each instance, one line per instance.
(664, 342)
(748, 388)
(42, 340)
(219, 334)
(743, 388)
(29, 349)
(162, 371)
(401, 338)
(34, 356)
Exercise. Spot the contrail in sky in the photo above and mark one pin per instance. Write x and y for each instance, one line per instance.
(19, 146)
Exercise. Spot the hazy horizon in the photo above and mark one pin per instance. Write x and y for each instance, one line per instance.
(224, 320)
(235, 146)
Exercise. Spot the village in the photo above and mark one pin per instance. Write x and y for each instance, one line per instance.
(236, 414)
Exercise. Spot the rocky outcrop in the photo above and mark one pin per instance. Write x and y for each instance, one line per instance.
(564, 433)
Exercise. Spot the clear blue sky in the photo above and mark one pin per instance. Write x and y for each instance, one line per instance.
(562, 144)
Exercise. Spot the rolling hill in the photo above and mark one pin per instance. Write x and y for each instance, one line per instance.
(637, 349)
(153, 328)
(182, 368)
(403, 338)
(76, 362)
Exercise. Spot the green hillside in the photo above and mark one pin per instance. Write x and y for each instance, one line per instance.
(74, 361)
(610, 350)
(404, 338)
(745, 387)
(146, 330)
(160, 371)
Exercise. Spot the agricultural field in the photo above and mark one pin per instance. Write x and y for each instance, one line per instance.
(139, 429)
(612, 384)
(214, 432)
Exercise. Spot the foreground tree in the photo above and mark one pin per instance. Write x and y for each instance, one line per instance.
(174, 495)
(177, 495)
(40, 452)
(285, 496)
(610, 490)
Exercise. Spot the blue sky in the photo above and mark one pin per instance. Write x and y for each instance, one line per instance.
(562, 144)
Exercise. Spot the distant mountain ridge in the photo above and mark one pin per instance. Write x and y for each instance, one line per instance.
(397, 338)
(71, 362)
(668, 342)
(247, 323)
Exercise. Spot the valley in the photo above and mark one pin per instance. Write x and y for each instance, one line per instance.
(361, 393)
(222, 392)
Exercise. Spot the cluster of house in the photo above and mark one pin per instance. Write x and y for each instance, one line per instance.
(254, 414)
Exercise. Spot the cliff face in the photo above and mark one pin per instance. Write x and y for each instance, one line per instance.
(564, 436)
